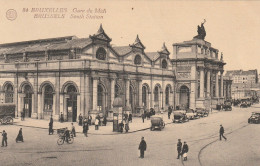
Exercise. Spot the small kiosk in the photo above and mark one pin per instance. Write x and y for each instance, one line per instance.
(117, 113)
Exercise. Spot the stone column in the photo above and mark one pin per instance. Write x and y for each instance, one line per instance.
(82, 95)
(40, 105)
(95, 81)
(87, 95)
(208, 83)
(140, 92)
(193, 88)
(149, 100)
(221, 84)
(216, 86)
(127, 90)
(201, 82)
(112, 84)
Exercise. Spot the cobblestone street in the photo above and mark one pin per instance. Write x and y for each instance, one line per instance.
(103, 147)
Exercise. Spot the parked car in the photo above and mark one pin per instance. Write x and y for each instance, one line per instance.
(243, 105)
(191, 114)
(255, 118)
(157, 122)
(227, 106)
(202, 112)
(179, 117)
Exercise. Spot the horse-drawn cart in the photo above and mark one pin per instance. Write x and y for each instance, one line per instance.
(7, 113)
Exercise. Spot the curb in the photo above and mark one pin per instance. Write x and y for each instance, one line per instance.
(116, 133)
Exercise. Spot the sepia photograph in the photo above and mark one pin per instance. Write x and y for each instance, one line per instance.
(129, 83)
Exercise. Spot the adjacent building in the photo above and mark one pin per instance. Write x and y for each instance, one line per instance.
(245, 83)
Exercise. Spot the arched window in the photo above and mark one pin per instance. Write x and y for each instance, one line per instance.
(117, 91)
(101, 53)
(138, 60)
(9, 94)
(144, 91)
(164, 64)
(167, 95)
(156, 93)
(100, 97)
(48, 98)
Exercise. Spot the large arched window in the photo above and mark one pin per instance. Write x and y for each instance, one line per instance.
(164, 64)
(156, 94)
(100, 97)
(48, 98)
(167, 95)
(9, 94)
(144, 92)
(117, 91)
(138, 60)
(101, 53)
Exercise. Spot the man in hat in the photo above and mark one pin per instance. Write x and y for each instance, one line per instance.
(142, 147)
(185, 150)
(73, 131)
(4, 139)
(179, 146)
(221, 132)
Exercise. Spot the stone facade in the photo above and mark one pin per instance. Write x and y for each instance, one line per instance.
(75, 76)
(199, 74)
(83, 76)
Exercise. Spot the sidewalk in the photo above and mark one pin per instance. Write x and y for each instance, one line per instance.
(136, 125)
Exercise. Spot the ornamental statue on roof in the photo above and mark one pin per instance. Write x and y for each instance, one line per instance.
(201, 31)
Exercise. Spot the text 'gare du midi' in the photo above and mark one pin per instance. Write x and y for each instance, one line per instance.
(84, 75)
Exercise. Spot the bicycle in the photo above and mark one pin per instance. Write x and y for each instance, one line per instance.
(61, 140)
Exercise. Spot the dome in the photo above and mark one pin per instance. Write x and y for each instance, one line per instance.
(118, 102)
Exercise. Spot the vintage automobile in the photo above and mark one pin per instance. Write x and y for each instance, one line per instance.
(179, 117)
(7, 113)
(202, 112)
(227, 106)
(244, 105)
(157, 122)
(191, 114)
(255, 117)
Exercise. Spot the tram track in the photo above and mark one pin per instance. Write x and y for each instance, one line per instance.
(214, 141)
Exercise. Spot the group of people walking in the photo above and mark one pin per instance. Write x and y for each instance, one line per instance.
(182, 150)
(19, 137)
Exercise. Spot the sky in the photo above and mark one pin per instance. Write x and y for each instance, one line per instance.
(232, 26)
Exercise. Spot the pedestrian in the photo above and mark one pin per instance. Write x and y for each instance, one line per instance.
(130, 118)
(85, 129)
(185, 150)
(142, 147)
(51, 125)
(4, 138)
(145, 113)
(61, 117)
(73, 130)
(121, 126)
(85, 121)
(179, 146)
(104, 121)
(221, 132)
(89, 120)
(19, 136)
(80, 120)
(143, 117)
(50, 128)
(169, 112)
(126, 126)
(148, 115)
(96, 124)
(98, 118)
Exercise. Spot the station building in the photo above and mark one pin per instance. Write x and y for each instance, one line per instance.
(84, 75)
